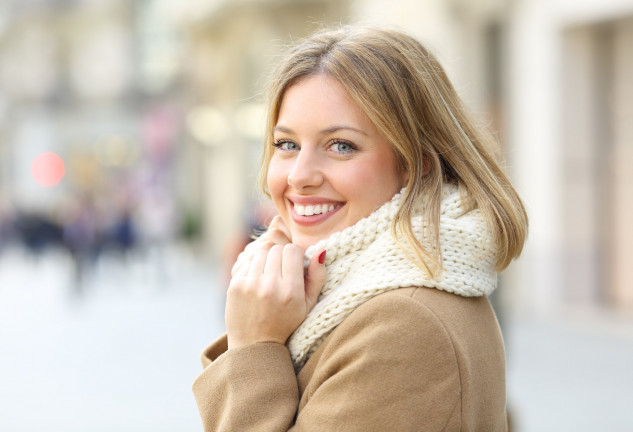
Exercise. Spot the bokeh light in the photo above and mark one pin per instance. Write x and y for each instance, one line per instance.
(48, 169)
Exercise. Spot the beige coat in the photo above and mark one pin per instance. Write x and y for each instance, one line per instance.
(414, 359)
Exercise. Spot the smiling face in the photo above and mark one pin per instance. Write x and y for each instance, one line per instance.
(330, 166)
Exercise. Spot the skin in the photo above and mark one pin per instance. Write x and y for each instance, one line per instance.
(270, 294)
(328, 156)
(328, 152)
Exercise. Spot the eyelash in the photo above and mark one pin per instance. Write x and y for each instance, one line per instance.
(352, 147)
(280, 142)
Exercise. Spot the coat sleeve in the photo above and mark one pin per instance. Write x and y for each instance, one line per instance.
(389, 366)
(252, 388)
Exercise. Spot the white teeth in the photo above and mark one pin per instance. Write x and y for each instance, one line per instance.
(311, 210)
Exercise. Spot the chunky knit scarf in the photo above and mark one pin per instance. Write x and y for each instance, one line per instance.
(364, 260)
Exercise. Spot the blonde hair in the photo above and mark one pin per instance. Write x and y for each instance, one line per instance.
(407, 95)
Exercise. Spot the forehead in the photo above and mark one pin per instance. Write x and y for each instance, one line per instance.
(320, 99)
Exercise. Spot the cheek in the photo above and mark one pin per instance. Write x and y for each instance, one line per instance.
(373, 177)
(276, 180)
(370, 175)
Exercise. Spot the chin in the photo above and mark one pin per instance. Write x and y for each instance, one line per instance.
(306, 242)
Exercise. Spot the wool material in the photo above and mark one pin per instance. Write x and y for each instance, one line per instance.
(365, 260)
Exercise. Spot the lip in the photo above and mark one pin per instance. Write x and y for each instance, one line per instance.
(315, 219)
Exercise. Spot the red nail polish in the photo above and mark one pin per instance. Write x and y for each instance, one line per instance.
(322, 257)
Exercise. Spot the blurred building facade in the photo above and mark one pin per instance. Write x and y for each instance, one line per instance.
(163, 100)
(553, 78)
(569, 106)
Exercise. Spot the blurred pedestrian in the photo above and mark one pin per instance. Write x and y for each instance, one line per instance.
(364, 306)
(80, 234)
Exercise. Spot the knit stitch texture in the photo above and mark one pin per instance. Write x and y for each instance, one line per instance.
(364, 260)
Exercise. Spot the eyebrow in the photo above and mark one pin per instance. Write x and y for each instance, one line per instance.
(328, 130)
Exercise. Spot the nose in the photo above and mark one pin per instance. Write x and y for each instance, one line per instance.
(306, 171)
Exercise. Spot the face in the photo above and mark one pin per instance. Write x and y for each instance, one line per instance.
(330, 166)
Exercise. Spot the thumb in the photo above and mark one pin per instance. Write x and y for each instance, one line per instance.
(315, 278)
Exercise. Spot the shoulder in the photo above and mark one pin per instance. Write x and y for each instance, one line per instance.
(420, 326)
(433, 306)
(392, 351)
(402, 323)
(434, 358)
(421, 308)
(396, 309)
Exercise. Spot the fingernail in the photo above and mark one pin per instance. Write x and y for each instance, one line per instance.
(322, 257)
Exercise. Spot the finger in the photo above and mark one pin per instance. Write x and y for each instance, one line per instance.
(258, 261)
(292, 263)
(277, 236)
(315, 278)
(263, 243)
(240, 262)
(267, 240)
(240, 267)
(273, 260)
(277, 223)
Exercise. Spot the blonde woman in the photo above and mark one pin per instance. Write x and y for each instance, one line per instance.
(364, 306)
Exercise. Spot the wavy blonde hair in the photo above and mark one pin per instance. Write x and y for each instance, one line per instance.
(407, 95)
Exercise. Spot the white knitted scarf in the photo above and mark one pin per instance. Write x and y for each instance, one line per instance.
(364, 260)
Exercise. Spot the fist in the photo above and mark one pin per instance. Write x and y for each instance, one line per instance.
(270, 294)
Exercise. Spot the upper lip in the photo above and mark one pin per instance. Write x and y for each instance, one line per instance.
(311, 200)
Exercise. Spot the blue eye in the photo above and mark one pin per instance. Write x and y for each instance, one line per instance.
(343, 147)
(286, 145)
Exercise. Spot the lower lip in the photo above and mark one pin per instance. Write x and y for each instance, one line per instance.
(311, 220)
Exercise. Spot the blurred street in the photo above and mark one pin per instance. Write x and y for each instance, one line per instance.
(121, 354)
(570, 371)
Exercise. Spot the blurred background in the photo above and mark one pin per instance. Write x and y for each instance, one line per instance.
(112, 279)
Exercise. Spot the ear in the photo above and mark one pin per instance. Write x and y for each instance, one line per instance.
(426, 166)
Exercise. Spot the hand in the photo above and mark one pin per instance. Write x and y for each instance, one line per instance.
(269, 296)
(276, 234)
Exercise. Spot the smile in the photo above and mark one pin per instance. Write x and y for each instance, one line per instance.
(311, 210)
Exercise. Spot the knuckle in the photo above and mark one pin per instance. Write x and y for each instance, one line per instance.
(270, 282)
(289, 297)
(263, 245)
(252, 283)
(291, 290)
(261, 286)
(259, 253)
(236, 286)
(276, 249)
(244, 255)
(242, 284)
(265, 292)
(292, 249)
(237, 265)
(275, 222)
(269, 244)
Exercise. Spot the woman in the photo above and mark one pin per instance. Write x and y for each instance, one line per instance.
(363, 307)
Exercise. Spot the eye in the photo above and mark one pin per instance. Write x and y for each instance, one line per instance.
(285, 145)
(343, 147)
